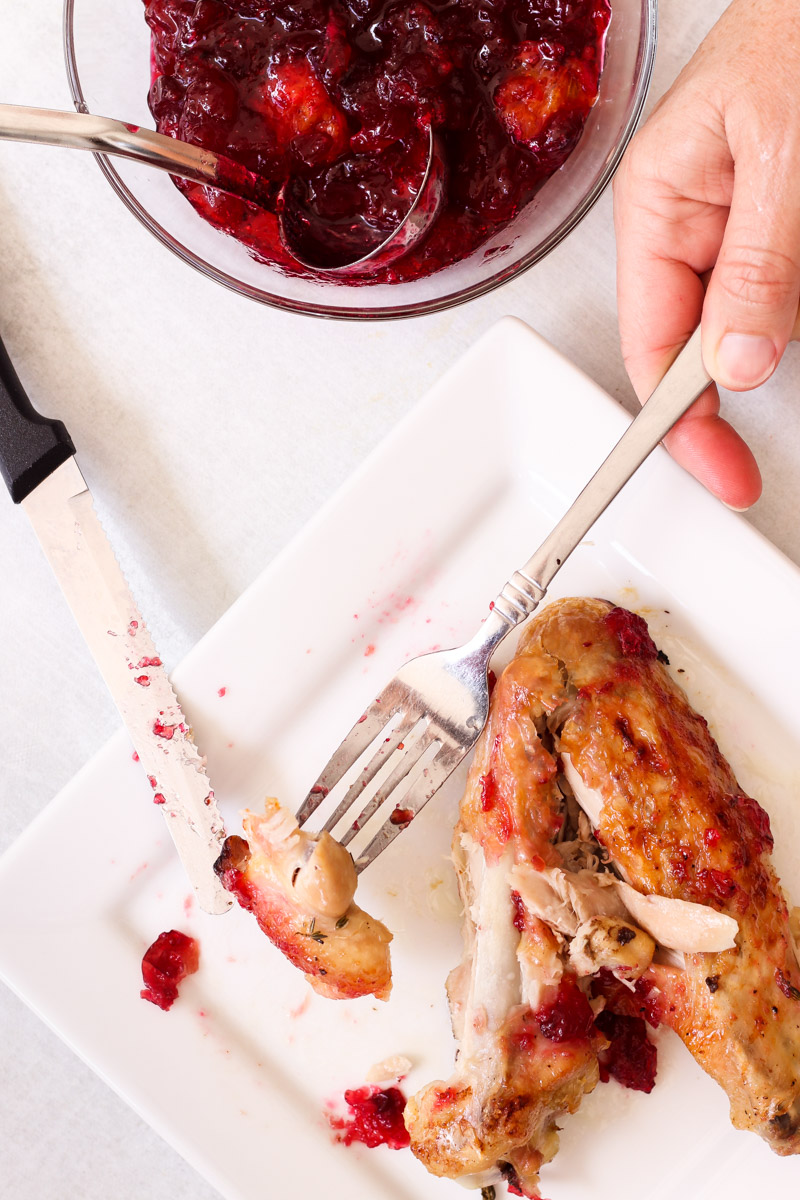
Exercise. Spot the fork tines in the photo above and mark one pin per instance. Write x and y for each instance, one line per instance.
(420, 752)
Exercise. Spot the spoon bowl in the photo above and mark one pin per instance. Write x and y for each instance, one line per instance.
(335, 256)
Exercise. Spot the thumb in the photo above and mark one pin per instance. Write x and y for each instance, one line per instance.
(751, 304)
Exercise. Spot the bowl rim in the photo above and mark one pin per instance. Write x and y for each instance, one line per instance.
(646, 60)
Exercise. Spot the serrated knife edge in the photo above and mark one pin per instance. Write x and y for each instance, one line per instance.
(64, 518)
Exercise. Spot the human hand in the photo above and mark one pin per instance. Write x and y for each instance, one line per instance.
(712, 180)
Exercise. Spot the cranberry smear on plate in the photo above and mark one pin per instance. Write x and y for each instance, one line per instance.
(375, 1118)
(172, 956)
(335, 97)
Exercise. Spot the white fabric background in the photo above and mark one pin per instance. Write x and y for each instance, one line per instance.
(210, 429)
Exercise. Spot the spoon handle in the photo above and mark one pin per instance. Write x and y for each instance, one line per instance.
(83, 131)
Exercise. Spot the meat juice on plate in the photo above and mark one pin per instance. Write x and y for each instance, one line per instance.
(338, 95)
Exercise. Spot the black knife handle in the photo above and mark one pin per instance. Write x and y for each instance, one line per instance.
(31, 446)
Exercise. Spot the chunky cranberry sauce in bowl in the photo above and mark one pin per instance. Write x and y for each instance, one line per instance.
(531, 104)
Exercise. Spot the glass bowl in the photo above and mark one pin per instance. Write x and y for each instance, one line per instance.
(107, 47)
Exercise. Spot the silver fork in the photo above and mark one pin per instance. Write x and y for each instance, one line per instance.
(435, 707)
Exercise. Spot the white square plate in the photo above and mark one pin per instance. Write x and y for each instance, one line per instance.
(406, 557)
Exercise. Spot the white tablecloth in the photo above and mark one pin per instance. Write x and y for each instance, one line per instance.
(210, 430)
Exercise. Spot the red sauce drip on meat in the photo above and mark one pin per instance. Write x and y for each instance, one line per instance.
(727, 871)
(569, 1017)
(375, 1118)
(518, 920)
(514, 1183)
(166, 963)
(632, 634)
(446, 1097)
(235, 883)
(488, 788)
(753, 823)
(714, 885)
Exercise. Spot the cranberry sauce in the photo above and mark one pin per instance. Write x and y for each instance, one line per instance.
(569, 1017)
(631, 1058)
(337, 95)
(170, 959)
(375, 1118)
(632, 634)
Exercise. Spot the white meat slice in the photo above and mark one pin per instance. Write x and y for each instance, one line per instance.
(589, 799)
(680, 924)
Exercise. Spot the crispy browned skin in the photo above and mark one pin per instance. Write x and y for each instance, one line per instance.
(343, 952)
(512, 1083)
(676, 822)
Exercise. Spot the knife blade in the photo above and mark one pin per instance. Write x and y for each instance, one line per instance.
(38, 465)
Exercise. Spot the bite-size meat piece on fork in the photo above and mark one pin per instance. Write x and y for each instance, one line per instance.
(527, 1041)
(675, 822)
(300, 888)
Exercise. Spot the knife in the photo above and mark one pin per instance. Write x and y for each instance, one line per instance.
(37, 462)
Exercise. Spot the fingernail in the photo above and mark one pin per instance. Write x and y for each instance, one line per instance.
(744, 360)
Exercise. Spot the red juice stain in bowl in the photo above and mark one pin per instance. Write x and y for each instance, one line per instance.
(375, 1117)
(336, 96)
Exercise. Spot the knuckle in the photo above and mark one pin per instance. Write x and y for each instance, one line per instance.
(758, 278)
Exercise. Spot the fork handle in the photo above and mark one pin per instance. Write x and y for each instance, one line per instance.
(685, 380)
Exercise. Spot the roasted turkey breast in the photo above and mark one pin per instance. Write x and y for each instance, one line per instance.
(607, 860)
(675, 822)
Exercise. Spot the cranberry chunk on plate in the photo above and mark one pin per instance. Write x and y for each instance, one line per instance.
(172, 956)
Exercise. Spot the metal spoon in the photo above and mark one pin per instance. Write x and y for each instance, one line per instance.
(412, 228)
(102, 135)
